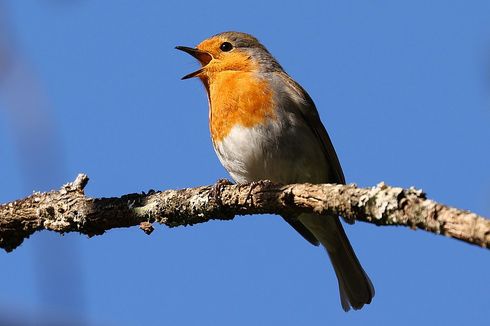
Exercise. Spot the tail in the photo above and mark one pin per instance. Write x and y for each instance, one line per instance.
(355, 287)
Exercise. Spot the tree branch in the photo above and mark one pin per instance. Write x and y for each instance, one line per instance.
(69, 210)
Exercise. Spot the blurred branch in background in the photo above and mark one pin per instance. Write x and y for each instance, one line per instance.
(69, 210)
(41, 162)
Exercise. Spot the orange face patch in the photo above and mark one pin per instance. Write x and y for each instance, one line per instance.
(237, 98)
(211, 45)
(235, 59)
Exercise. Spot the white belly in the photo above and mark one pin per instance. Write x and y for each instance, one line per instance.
(286, 152)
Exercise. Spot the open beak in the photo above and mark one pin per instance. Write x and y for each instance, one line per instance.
(202, 56)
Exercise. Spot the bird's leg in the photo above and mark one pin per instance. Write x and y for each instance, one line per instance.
(215, 191)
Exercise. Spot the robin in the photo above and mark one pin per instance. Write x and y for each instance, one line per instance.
(264, 125)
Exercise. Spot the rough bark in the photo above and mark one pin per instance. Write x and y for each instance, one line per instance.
(69, 210)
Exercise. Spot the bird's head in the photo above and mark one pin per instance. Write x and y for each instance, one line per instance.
(230, 51)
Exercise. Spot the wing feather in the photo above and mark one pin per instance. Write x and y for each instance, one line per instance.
(311, 117)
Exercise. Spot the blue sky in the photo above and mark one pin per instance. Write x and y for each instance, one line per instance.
(94, 86)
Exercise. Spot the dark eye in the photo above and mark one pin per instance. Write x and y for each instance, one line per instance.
(226, 46)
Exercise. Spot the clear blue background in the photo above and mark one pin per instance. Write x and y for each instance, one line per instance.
(93, 86)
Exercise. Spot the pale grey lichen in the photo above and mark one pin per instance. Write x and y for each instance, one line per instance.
(380, 200)
(57, 224)
(146, 210)
(197, 202)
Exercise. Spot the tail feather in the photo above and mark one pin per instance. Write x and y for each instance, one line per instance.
(355, 287)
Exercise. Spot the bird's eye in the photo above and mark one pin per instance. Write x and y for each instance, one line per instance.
(226, 46)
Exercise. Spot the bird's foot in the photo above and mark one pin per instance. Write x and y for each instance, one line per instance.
(215, 191)
(252, 186)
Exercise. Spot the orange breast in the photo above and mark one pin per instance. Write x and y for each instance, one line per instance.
(237, 98)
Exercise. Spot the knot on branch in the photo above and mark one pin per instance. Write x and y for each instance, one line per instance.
(77, 185)
(64, 210)
(147, 227)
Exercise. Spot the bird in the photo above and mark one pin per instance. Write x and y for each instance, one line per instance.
(265, 126)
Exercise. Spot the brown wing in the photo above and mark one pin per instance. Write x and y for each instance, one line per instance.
(312, 118)
(355, 287)
(301, 229)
